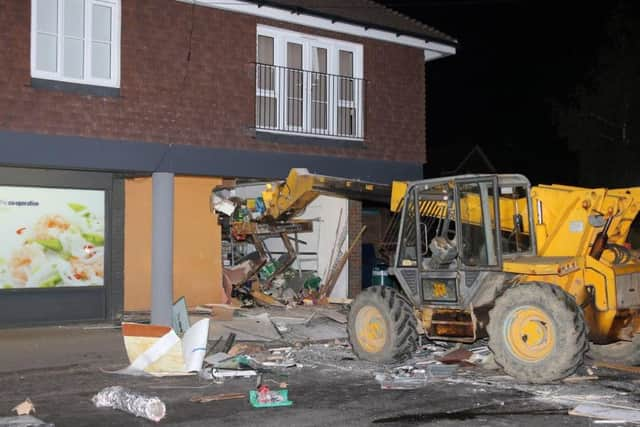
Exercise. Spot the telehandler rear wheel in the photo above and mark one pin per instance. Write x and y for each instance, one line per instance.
(382, 326)
(537, 332)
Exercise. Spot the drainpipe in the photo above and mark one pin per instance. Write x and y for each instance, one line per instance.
(162, 249)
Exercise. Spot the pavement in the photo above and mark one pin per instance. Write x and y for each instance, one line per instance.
(61, 367)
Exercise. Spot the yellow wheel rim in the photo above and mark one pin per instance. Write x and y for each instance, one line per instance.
(371, 329)
(530, 333)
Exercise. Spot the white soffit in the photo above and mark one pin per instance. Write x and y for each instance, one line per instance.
(432, 50)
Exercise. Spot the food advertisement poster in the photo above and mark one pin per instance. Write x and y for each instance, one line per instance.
(51, 237)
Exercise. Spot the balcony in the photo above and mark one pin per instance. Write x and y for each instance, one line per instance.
(308, 103)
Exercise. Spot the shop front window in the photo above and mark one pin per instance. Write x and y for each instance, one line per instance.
(51, 237)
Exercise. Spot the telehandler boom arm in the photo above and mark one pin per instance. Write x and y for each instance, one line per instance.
(289, 198)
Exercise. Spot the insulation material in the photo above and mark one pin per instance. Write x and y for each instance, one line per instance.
(123, 399)
(157, 350)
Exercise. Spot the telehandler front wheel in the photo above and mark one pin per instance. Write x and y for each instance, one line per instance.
(382, 326)
(537, 332)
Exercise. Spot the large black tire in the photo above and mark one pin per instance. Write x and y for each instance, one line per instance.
(537, 333)
(385, 313)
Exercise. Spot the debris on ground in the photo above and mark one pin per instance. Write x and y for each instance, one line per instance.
(618, 367)
(335, 356)
(247, 328)
(221, 374)
(480, 355)
(338, 300)
(25, 408)
(319, 329)
(248, 360)
(410, 377)
(217, 397)
(403, 378)
(312, 324)
(263, 299)
(333, 315)
(123, 399)
(222, 344)
(216, 357)
(238, 363)
(457, 356)
(263, 397)
(233, 366)
(180, 316)
(612, 413)
(579, 378)
(245, 348)
(217, 311)
(157, 350)
(278, 358)
(24, 421)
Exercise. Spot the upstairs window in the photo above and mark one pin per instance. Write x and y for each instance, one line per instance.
(76, 41)
(308, 85)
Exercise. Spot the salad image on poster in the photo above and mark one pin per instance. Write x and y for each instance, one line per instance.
(51, 237)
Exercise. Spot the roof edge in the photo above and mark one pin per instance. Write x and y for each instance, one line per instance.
(366, 25)
(433, 47)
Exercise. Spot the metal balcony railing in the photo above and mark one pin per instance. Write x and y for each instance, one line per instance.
(295, 101)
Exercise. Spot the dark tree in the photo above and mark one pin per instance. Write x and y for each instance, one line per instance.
(601, 119)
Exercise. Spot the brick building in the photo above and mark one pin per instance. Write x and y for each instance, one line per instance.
(100, 97)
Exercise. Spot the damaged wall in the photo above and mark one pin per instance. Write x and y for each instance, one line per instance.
(332, 211)
(331, 216)
(197, 268)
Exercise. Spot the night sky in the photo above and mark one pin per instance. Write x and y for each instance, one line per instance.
(548, 89)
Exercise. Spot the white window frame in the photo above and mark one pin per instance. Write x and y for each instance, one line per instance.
(114, 81)
(280, 39)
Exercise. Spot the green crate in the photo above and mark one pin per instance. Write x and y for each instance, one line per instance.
(253, 398)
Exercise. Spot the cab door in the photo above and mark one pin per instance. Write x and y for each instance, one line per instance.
(478, 225)
(438, 254)
(405, 267)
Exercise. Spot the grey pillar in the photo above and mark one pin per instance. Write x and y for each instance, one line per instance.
(162, 249)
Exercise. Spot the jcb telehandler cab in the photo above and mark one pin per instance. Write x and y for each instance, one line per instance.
(540, 271)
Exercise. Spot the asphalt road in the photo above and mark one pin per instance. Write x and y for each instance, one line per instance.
(327, 390)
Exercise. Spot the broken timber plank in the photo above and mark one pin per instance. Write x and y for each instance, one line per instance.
(327, 288)
(264, 299)
(618, 367)
(216, 397)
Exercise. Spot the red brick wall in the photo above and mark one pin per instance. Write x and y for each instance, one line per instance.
(355, 259)
(208, 100)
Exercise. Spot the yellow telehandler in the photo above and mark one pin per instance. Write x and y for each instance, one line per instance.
(539, 270)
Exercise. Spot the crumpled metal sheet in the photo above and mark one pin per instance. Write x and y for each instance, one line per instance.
(138, 404)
